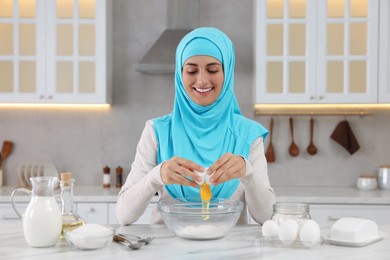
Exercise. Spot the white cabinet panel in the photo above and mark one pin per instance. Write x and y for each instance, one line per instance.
(316, 52)
(93, 212)
(384, 50)
(56, 52)
(7, 213)
(326, 214)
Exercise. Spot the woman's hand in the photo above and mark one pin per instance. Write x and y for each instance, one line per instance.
(226, 168)
(177, 171)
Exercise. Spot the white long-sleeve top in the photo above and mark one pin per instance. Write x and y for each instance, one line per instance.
(144, 180)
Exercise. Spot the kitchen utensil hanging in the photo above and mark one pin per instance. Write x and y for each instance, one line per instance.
(270, 153)
(311, 149)
(293, 149)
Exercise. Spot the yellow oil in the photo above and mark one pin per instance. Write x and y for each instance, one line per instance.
(69, 226)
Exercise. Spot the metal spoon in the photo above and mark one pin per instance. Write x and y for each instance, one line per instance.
(146, 240)
(121, 239)
(311, 149)
(293, 150)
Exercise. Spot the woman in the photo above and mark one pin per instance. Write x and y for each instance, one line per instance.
(205, 129)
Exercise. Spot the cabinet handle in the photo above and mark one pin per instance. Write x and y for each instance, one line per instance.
(91, 210)
(50, 97)
(41, 97)
(321, 97)
(312, 97)
(9, 217)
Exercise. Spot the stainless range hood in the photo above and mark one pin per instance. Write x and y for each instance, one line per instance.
(182, 17)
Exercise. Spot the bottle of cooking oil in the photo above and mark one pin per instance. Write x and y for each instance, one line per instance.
(70, 219)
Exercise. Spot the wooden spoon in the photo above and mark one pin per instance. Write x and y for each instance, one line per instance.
(270, 154)
(5, 151)
(293, 150)
(311, 149)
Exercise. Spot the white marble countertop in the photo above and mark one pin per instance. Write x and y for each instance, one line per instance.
(311, 195)
(240, 243)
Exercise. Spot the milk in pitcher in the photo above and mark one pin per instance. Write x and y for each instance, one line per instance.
(42, 222)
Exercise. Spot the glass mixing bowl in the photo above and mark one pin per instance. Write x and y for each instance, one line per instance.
(186, 218)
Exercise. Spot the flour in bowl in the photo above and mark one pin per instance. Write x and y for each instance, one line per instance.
(203, 231)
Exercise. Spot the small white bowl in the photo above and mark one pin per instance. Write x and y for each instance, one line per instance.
(90, 236)
(367, 182)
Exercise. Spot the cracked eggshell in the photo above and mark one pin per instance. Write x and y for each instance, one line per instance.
(205, 177)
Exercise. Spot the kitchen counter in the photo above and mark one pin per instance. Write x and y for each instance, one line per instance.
(240, 243)
(311, 195)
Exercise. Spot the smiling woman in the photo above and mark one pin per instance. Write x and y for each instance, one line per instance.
(205, 129)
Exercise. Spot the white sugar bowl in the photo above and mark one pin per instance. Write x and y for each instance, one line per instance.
(367, 182)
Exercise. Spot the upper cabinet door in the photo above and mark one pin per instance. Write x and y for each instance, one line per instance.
(384, 50)
(21, 48)
(55, 51)
(77, 57)
(321, 51)
(285, 51)
(347, 56)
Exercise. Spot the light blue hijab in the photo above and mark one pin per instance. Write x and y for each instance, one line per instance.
(203, 134)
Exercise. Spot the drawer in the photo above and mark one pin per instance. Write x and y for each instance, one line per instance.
(93, 212)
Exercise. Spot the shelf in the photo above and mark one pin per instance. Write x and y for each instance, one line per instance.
(319, 109)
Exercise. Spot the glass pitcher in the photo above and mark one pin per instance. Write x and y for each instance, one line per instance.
(42, 220)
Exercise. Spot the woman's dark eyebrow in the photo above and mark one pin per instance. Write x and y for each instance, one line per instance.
(209, 64)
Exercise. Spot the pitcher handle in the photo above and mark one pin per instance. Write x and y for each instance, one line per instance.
(13, 196)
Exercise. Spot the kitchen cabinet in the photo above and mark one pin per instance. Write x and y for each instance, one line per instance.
(144, 219)
(104, 213)
(326, 214)
(317, 52)
(7, 213)
(93, 212)
(384, 50)
(55, 51)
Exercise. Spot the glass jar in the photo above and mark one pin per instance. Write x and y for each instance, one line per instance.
(297, 211)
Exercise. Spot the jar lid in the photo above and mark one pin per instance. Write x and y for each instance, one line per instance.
(291, 207)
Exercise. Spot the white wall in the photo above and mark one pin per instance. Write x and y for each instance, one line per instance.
(83, 142)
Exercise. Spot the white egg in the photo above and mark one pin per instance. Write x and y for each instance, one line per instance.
(270, 228)
(310, 233)
(288, 231)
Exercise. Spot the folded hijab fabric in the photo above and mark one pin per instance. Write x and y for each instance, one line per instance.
(204, 133)
(344, 136)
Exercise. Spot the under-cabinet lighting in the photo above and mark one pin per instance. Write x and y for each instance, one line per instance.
(53, 106)
(319, 109)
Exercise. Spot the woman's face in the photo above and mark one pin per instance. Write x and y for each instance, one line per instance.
(203, 79)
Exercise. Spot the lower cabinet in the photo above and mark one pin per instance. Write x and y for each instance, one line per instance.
(7, 213)
(326, 214)
(104, 213)
(93, 212)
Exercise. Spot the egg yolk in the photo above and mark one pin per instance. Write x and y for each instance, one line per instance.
(205, 195)
(205, 192)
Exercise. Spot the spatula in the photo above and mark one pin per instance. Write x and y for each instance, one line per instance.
(5, 151)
